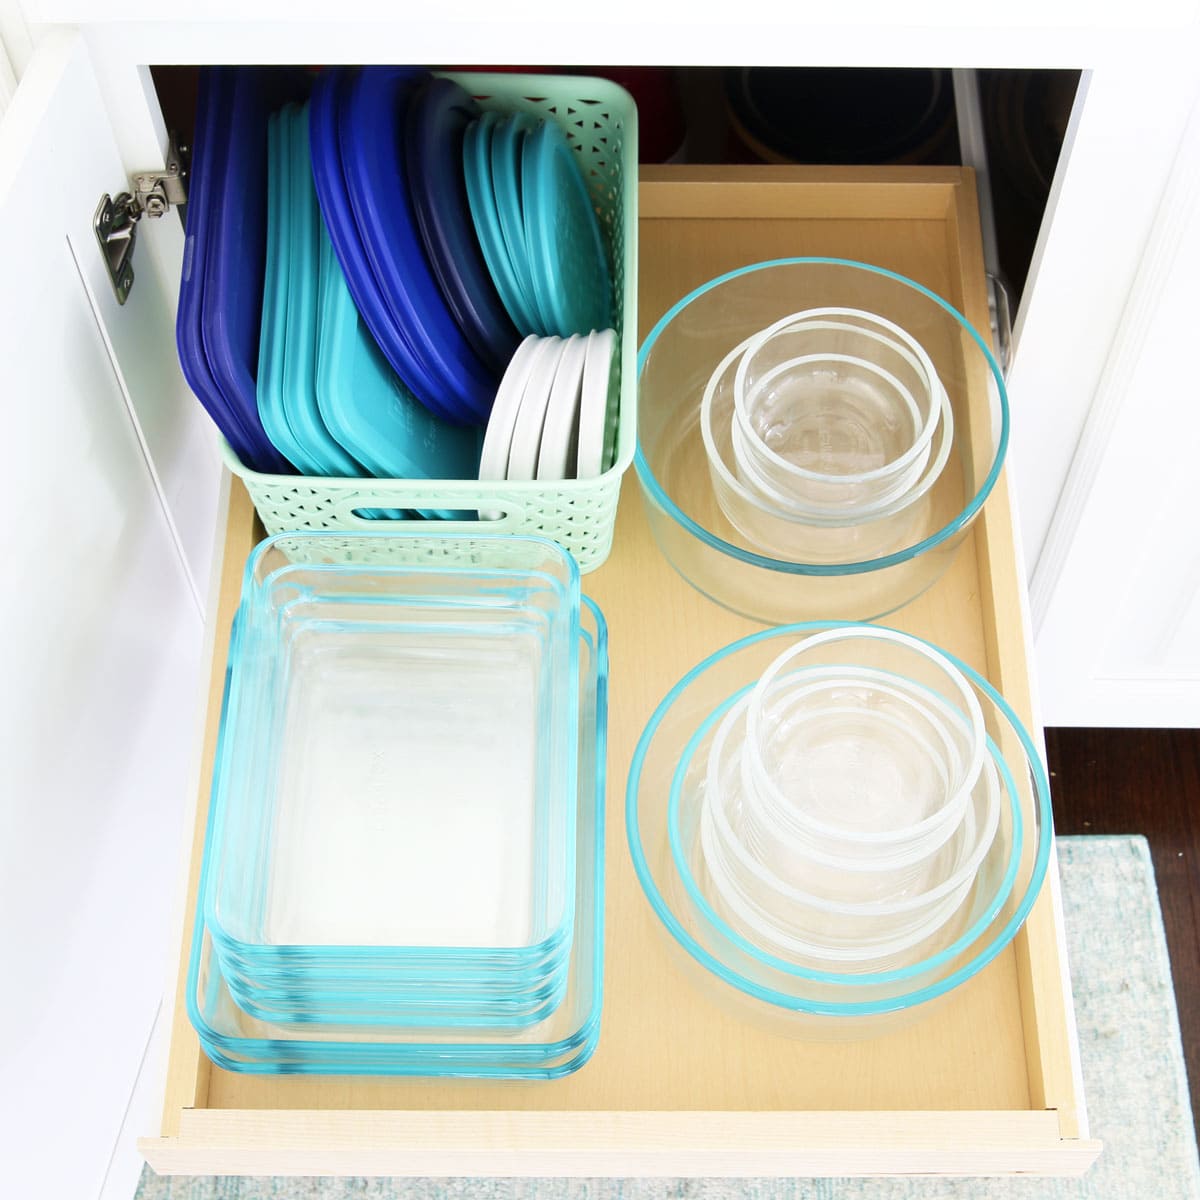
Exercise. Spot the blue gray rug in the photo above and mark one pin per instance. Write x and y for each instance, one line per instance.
(1133, 1070)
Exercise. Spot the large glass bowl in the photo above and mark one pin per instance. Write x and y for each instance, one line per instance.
(736, 971)
(857, 570)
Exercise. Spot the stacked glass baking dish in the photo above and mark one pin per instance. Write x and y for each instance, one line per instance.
(403, 865)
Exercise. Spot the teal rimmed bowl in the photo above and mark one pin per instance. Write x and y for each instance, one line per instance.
(737, 972)
(863, 570)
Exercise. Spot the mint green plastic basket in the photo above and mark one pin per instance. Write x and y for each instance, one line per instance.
(600, 121)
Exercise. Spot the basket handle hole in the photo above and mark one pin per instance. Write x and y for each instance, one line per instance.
(432, 517)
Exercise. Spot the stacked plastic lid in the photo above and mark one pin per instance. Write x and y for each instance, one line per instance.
(400, 188)
(536, 225)
(327, 398)
(553, 413)
(220, 294)
(403, 865)
(342, 313)
(369, 196)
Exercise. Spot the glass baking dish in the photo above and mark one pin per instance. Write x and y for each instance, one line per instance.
(555, 1046)
(398, 735)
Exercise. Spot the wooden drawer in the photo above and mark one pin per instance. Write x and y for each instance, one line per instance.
(988, 1083)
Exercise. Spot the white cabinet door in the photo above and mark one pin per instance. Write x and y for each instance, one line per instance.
(1116, 599)
(99, 658)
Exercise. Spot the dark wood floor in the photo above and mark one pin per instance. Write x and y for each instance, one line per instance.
(1148, 782)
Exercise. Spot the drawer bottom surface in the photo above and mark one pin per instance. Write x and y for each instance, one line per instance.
(986, 1082)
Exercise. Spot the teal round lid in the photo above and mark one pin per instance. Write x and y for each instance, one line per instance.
(508, 140)
(481, 198)
(567, 257)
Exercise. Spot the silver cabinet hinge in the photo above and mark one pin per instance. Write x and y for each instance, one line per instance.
(154, 194)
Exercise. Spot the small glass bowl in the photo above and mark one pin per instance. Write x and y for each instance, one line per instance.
(838, 407)
(804, 906)
(899, 794)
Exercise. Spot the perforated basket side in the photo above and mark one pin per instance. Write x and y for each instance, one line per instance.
(581, 519)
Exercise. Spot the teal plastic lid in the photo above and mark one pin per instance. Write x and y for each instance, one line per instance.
(566, 255)
(322, 454)
(508, 143)
(481, 197)
(368, 408)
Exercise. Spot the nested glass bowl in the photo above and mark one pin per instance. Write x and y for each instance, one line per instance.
(796, 997)
(835, 407)
(772, 565)
(556, 1045)
(809, 907)
(885, 701)
(793, 889)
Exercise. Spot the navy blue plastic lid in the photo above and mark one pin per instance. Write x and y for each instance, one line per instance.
(371, 121)
(438, 116)
(236, 220)
(336, 210)
(212, 115)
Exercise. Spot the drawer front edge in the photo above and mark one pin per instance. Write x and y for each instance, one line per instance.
(681, 1144)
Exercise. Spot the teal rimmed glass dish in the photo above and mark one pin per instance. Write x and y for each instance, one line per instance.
(397, 635)
(557, 1046)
